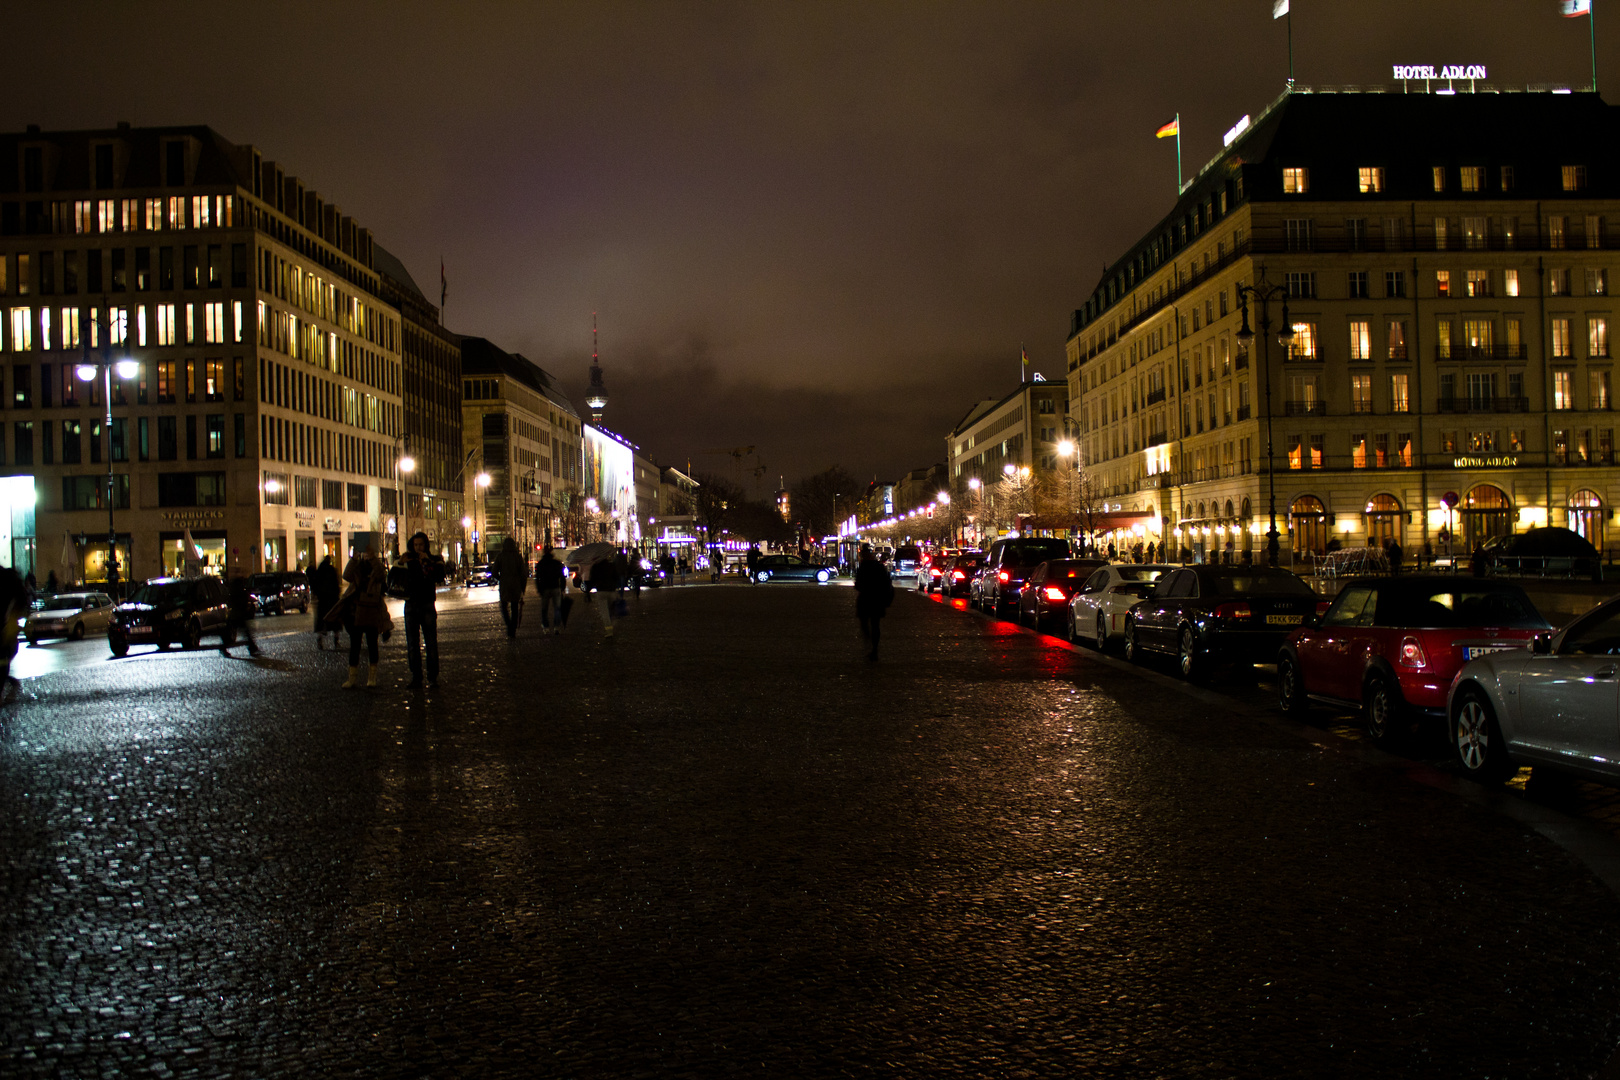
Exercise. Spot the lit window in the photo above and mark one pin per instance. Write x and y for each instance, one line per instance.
(1561, 342)
(1574, 177)
(1442, 339)
(1296, 181)
(1441, 228)
(1397, 340)
(1472, 178)
(1597, 336)
(1563, 390)
(1558, 281)
(1442, 283)
(1439, 178)
(1556, 231)
(1400, 397)
(1507, 178)
(1358, 451)
(1304, 345)
(1478, 335)
(165, 325)
(214, 323)
(1360, 340)
(1476, 233)
(1598, 398)
(1371, 179)
(1478, 282)
(1597, 281)
(22, 329)
(1510, 283)
(1361, 393)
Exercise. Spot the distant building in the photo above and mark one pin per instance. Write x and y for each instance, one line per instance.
(1006, 452)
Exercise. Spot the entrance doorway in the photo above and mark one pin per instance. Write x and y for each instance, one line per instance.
(1586, 516)
(1308, 525)
(1386, 521)
(1486, 512)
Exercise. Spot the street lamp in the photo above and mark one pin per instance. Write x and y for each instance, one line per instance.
(1264, 292)
(480, 486)
(407, 465)
(87, 371)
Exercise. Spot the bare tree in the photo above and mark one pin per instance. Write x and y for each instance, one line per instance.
(818, 502)
(712, 504)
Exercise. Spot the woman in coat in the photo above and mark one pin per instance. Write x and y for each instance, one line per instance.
(324, 583)
(874, 592)
(364, 612)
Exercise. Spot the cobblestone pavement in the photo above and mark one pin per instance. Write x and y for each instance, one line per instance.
(723, 844)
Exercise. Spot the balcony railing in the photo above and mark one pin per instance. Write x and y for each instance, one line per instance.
(1156, 396)
(1397, 352)
(1479, 353)
(1483, 404)
(1307, 408)
(1243, 413)
(1242, 360)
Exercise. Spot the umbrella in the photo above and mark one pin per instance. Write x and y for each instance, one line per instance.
(586, 554)
(70, 558)
(191, 564)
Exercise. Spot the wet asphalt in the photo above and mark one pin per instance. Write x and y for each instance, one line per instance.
(724, 843)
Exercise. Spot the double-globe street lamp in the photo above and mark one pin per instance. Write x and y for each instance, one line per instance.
(87, 371)
(1264, 292)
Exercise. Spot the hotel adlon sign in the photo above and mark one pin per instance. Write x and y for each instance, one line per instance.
(1403, 72)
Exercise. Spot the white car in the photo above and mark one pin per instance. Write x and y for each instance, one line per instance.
(1097, 612)
(71, 616)
(1556, 703)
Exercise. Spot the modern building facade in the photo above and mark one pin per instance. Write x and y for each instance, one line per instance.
(1385, 315)
(1002, 458)
(265, 415)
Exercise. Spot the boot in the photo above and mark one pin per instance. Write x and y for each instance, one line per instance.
(320, 641)
(354, 679)
(371, 675)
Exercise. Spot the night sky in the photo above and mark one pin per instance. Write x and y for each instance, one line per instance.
(824, 229)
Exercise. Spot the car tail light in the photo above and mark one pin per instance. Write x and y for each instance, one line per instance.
(1003, 576)
(1322, 606)
(1234, 611)
(957, 575)
(1055, 593)
(1412, 653)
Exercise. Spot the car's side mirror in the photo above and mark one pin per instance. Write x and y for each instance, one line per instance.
(1541, 644)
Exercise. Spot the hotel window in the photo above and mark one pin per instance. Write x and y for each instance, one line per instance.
(1516, 385)
(1560, 447)
(214, 323)
(1574, 177)
(1394, 234)
(1481, 391)
(1226, 356)
(1478, 337)
(1477, 282)
(1355, 234)
(1605, 446)
(1448, 442)
(1301, 285)
(1298, 233)
(1594, 231)
(1510, 283)
(1302, 394)
(1597, 337)
(1472, 178)
(1296, 453)
(1360, 340)
(1597, 281)
(1563, 390)
(1558, 282)
(1381, 450)
(214, 380)
(1561, 340)
(1403, 450)
(215, 445)
(1304, 344)
(1361, 394)
(1507, 178)
(1482, 442)
(1358, 451)
(1400, 394)
(1555, 232)
(1598, 397)
(1510, 233)
(1515, 443)
(1316, 451)
(1397, 340)
(1439, 174)
(1394, 283)
(1442, 339)
(165, 324)
(1358, 285)
(1371, 179)
(1296, 181)
(22, 329)
(1442, 283)
(1441, 228)
(167, 378)
(1475, 233)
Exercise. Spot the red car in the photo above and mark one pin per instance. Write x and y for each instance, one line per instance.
(1390, 646)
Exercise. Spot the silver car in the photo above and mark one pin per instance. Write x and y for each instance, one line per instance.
(71, 616)
(1097, 612)
(1556, 703)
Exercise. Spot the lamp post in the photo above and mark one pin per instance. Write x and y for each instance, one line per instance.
(481, 493)
(1264, 292)
(87, 370)
(407, 465)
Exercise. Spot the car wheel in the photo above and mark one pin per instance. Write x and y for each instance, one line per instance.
(118, 643)
(1290, 688)
(823, 577)
(32, 640)
(76, 632)
(1133, 648)
(1382, 713)
(1477, 739)
(191, 636)
(1101, 640)
(1189, 660)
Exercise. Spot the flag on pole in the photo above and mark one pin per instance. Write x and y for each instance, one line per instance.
(1279, 8)
(1172, 128)
(1573, 9)
(444, 283)
(1024, 354)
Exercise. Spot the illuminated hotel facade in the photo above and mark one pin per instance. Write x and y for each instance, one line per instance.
(1445, 264)
(265, 417)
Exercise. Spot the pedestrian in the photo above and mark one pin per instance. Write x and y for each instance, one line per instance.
(1396, 555)
(604, 579)
(1480, 563)
(753, 560)
(1231, 549)
(50, 583)
(512, 574)
(549, 582)
(682, 568)
(419, 575)
(326, 587)
(240, 619)
(16, 594)
(363, 611)
(874, 592)
(667, 565)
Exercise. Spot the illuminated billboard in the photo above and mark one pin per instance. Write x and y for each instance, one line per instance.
(610, 479)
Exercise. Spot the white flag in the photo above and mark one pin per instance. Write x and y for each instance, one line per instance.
(1279, 8)
(1570, 9)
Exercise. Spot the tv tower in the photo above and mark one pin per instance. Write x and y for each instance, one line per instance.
(597, 399)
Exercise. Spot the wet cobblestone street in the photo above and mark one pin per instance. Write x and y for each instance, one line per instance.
(723, 843)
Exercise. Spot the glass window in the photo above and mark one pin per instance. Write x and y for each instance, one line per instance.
(1400, 398)
(1360, 339)
(1563, 390)
(1361, 393)
(1370, 179)
(1296, 181)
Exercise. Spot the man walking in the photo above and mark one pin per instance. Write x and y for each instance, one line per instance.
(512, 572)
(240, 619)
(548, 582)
(753, 561)
(874, 592)
(604, 579)
(418, 575)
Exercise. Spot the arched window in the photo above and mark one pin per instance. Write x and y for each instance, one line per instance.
(1586, 516)
(1308, 525)
(1486, 512)
(1386, 521)
(1201, 514)
(1228, 507)
(1248, 532)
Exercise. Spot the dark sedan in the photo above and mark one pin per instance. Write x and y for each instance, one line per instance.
(791, 568)
(1208, 614)
(170, 611)
(957, 580)
(1045, 597)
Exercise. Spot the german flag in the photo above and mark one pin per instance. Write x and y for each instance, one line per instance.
(1170, 129)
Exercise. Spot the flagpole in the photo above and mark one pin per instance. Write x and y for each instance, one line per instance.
(1290, 46)
(1178, 154)
(1591, 26)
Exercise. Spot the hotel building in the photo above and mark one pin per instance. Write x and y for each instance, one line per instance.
(1434, 271)
(265, 416)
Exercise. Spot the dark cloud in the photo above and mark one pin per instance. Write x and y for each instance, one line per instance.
(860, 207)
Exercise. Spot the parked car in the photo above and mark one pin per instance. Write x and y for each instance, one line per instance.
(480, 574)
(1209, 613)
(1545, 551)
(170, 611)
(934, 566)
(279, 592)
(1050, 588)
(1389, 647)
(1097, 612)
(906, 566)
(69, 615)
(1556, 703)
(1008, 564)
(791, 568)
(960, 573)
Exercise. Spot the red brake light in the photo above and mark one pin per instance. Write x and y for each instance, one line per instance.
(957, 575)
(1055, 593)
(1412, 652)
(1003, 576)
(1322, 606)
(1234, 611)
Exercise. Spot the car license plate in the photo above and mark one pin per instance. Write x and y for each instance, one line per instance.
(136, 631)
(1480, 650)
(1284, 620)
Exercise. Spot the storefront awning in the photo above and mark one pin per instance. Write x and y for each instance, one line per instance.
(1103, 522)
